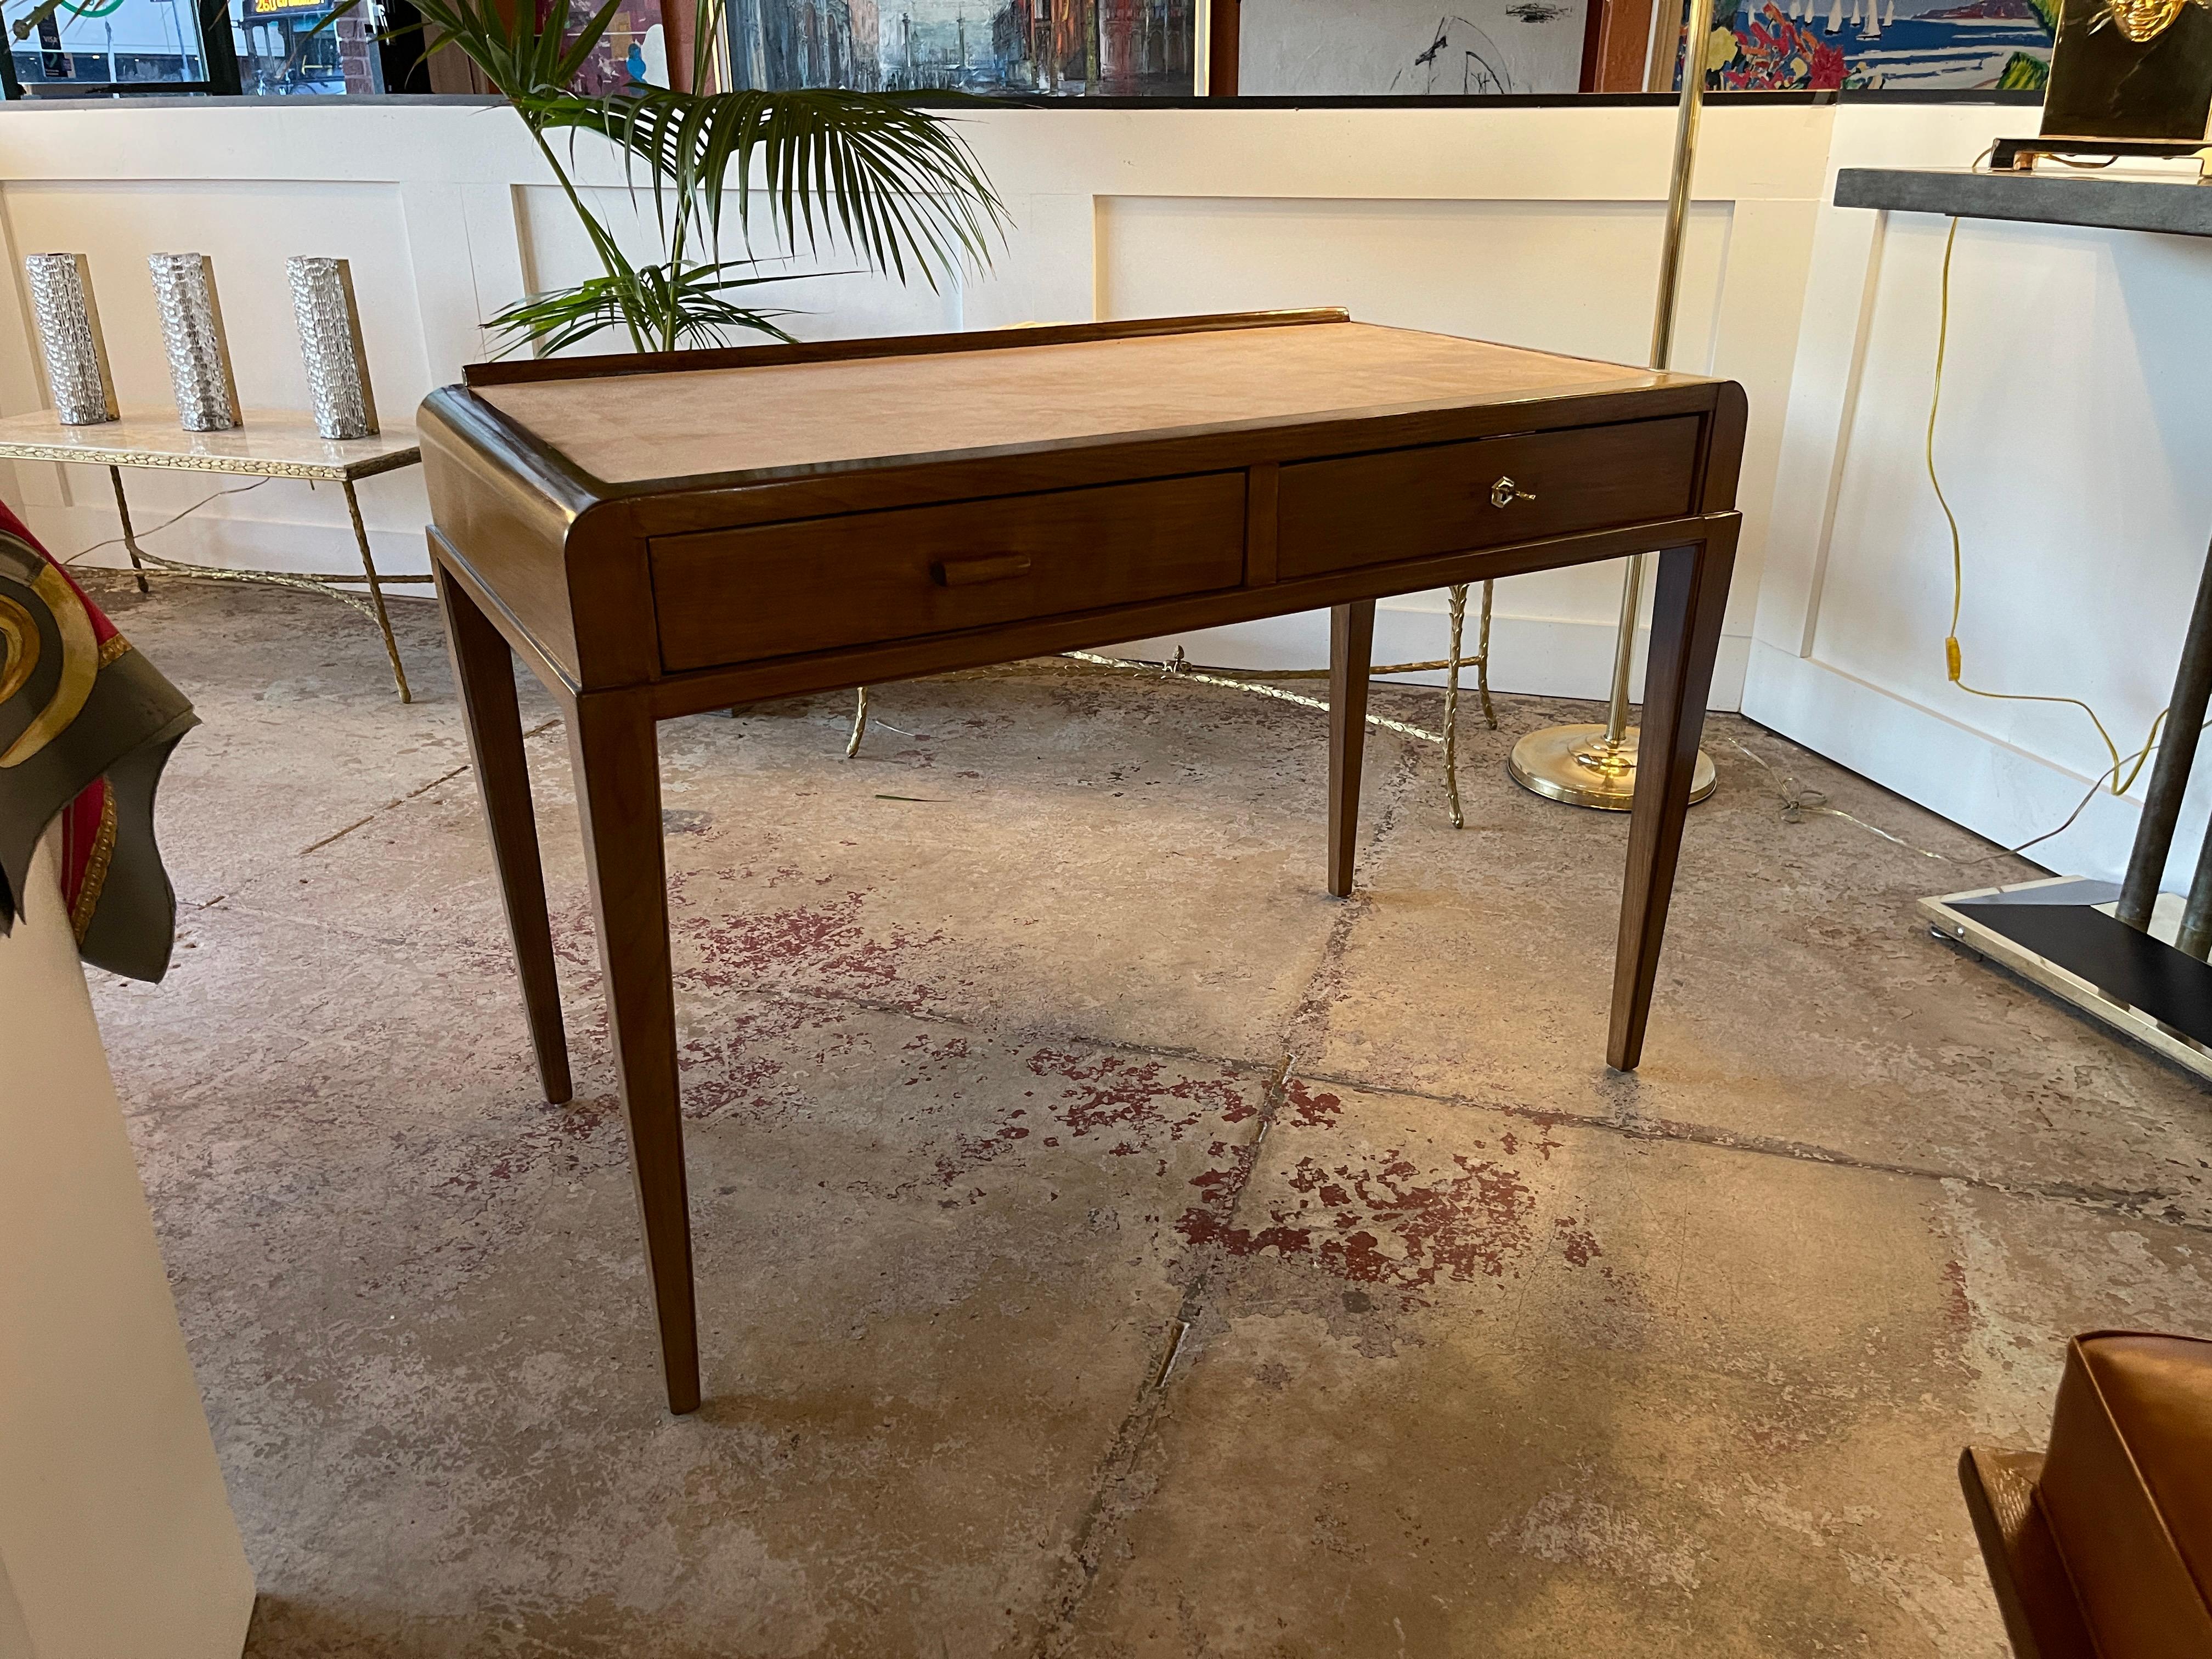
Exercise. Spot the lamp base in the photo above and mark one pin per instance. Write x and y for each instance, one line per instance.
(1575, 765)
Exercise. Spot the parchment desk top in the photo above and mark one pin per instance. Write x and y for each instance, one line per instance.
(625, 429)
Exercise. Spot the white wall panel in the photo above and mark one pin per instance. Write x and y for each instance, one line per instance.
(2075, 415)
(2076, 411)
(250, 226)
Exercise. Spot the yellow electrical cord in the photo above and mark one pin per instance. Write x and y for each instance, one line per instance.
(1953, 657)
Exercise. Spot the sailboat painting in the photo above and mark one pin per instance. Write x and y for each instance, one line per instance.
(1915, 46)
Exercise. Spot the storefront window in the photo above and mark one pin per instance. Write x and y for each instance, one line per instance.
(269, 48)
(84, 44)
(286, 49)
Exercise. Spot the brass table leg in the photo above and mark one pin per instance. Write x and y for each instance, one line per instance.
(375, 593)
(129, 535)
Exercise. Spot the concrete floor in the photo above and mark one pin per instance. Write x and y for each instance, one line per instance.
(1490, 1351)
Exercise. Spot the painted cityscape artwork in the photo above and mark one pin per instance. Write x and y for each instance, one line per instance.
(1914, 46)
(1112, 48)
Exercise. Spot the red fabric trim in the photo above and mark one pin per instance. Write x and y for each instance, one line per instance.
(81, 821)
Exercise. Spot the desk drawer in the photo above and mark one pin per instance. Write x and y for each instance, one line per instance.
(1412, 503)
(727, 596)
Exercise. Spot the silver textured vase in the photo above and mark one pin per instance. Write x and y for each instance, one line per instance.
(192, 335)
(330, 347)
(69, 336)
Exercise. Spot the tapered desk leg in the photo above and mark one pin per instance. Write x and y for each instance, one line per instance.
(611, 736)
(483, 669)
(1351, 649)
(1685, 636)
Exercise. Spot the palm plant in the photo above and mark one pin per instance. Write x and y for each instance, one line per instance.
(853, 175)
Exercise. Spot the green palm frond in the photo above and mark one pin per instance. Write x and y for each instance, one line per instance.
(894, 184)
(683, 305)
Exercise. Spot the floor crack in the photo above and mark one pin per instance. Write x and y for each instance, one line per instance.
(420, 789)
(1102, 1516)
(2133, 1204)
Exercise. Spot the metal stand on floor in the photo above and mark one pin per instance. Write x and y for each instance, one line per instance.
(142, 562)
(2115, 951)
(282, 444)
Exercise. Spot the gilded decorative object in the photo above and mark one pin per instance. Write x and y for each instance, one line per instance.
(2131, 68)
(192, 334)
(2140, 23)
(330, 346)
(69, 334)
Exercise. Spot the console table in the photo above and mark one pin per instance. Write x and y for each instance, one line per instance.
(2109, 948)
(267, 444)
(663, 535)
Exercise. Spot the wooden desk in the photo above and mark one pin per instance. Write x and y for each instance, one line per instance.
(665, 535)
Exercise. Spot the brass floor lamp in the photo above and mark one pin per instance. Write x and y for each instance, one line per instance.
(1595, 765)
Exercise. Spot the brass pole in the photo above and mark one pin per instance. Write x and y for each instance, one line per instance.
(1686, 116)
(1624, 655)
(1590, 765)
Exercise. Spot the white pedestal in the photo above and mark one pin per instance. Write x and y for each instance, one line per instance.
(116, 1540)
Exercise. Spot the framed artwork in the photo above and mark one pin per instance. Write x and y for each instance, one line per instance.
(1412, 48)
(2131, 68)
(1068, 48)
(1910, 46)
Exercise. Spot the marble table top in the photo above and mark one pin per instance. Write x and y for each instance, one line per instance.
(271, 444)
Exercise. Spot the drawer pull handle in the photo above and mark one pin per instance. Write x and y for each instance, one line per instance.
(1505, 492)
(966, 573)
